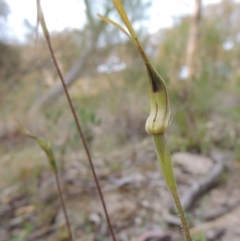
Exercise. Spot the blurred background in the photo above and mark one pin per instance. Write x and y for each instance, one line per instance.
(194, 45)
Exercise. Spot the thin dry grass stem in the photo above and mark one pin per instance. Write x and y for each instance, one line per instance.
(47, 148)
(48, 40)
(60, 194)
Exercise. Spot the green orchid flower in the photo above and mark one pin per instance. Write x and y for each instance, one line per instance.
(160, 113)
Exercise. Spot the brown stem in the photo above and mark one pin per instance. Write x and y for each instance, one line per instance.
(79, 129)
(63, 206)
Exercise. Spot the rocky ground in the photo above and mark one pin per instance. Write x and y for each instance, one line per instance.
(138, 201)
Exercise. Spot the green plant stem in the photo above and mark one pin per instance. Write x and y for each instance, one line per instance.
(181, 214)
(165, 163)
(63, 206)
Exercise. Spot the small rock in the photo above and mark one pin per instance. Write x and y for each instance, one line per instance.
(120, 208)
(192, 163)
(16, 221)
(145, 203)
(138, 221)
(95, 218)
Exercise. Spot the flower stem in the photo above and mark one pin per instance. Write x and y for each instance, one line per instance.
(181, 212)
(63, 206)
(165, 162)
(75, 117)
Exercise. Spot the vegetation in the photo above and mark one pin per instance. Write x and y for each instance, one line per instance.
(113, 120)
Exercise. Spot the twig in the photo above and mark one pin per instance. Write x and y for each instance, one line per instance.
(40, 233)
(159, 236)
(216, 214)
(217, 223)
(198, 189)
(213, 235)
